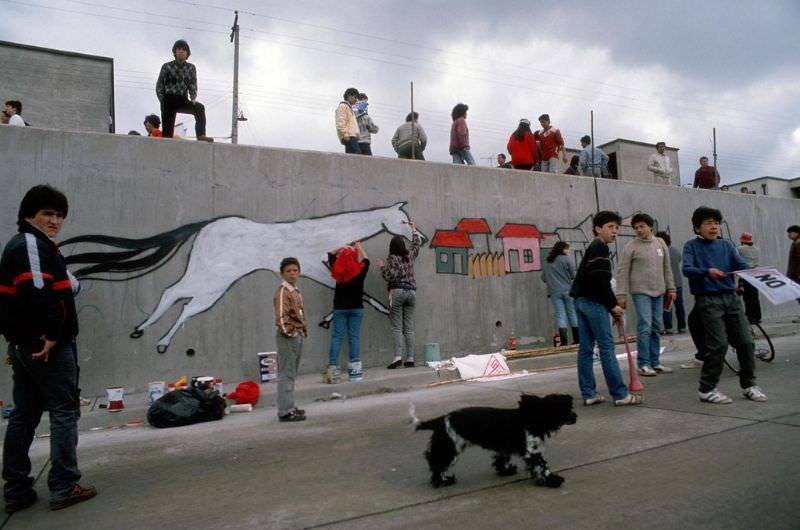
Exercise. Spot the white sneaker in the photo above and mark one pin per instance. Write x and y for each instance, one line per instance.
(754, 393)
(716, 397)
(597, 399)
(630, 399)
(692, 363)
(647, 371)
(661, 369)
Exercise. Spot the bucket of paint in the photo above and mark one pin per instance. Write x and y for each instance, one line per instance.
(203, 383)
(268, 366)
(115, 395)
(432, 352)
(155, 389)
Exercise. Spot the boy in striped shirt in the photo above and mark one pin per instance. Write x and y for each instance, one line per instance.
(292, 329)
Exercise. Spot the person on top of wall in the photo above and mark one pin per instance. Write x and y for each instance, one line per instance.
(593, 161)
(659, 165)
(573, 166)
(706, 177)
(459, 136)
(177, 80)
(399, 274)
(502, 163)
(349, 265)
(152, 124)
(410, 135)
(366, 127)
(13, 111)
(347, 123)
(552, 145)
(522, 147)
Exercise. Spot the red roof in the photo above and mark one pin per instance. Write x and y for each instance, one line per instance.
(515, 230)
(451, 238)
(474, 225)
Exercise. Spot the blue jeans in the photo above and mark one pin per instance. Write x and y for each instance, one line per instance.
(649, 310)
(348, 320)
(352, 146)
(680, 311)
(40, 386)
(565, 309)
(463, 157)
(594, 324)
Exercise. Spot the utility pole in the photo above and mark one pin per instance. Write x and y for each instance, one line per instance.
(714, 139)
(413, 126)
(235, 41)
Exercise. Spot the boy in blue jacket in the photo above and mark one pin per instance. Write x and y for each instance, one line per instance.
(709, 262)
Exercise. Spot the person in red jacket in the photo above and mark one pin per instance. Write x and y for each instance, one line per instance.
(459, 136)
(552, 144)
(522, 147)
(706, 177)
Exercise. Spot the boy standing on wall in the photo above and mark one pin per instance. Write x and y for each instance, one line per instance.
(292, 329)
(708, 263)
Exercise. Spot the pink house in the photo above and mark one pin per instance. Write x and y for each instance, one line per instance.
(521, 247)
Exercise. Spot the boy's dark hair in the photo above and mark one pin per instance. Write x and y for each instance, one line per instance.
(183, 45)
(545, 117)
(605, 216)
(665, 236)
(703, 213)
(703, 158)
(134, 132)
(16, 104)
(153, 120)
(459, 111)
(285, 262)
(397, 247)
(793, 228)
(41, 197)
(586, 139)
(661, 143)
(412, 115)
(642, 218)
(350, 92)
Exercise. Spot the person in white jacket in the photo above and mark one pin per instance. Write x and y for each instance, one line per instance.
(346, 123)
(660, 165)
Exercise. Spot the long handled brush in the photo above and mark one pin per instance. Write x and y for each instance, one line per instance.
(635, 386)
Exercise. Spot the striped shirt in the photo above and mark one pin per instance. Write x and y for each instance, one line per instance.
(289, 315)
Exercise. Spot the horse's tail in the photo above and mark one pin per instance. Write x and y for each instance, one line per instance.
(141, 255)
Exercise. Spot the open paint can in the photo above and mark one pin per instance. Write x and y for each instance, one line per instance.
(115, 395)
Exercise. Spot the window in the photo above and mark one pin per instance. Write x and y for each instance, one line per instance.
(443, 257)
(527, 255)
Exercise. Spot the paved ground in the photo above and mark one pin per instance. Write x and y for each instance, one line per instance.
(356, 463)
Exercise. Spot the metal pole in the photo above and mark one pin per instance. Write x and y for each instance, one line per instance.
(235, 117)
(413, 127)
(714, 136)
(591, 134)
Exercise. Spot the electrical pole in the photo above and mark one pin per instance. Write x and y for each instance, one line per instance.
(413, 126)
(235, 41)
(714, 137)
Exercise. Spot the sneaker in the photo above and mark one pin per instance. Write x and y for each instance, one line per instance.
(331, 375)
(593, 401)
(630, 399)
(692, 363)
(301, 412)
(647, 371)
(204, 138)
(666, 332)
(355, 375)
(408, 364)
(661, 369)
(15, 506)
(715, 396)
(394, 364)
(79, 494)
(754, 393)
(292, 416)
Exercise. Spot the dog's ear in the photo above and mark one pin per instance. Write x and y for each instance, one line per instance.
(529, 401)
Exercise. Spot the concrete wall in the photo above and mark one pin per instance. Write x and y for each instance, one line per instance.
(133, 187)
(632, 158)
(58, 89)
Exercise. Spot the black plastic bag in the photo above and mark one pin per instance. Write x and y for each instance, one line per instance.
(186, 407)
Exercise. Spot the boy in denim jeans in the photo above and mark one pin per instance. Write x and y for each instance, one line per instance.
(708, 263)
(292, 328)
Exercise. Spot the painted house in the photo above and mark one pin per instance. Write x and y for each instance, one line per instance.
(451, 251)
(521, 247)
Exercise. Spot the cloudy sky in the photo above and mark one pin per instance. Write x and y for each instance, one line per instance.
(667, 70)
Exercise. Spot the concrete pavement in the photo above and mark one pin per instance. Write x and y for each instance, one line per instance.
(356, 464)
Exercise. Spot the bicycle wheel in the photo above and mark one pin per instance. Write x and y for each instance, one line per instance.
(763, 350)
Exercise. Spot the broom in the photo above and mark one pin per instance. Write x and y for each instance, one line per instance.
(635, 386)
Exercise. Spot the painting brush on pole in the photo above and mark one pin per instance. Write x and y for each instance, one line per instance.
(635, 386)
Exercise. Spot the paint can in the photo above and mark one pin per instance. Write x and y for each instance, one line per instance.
(268, 365)
(155, 389)
(432, 352)
(203, 383)
(115, 395)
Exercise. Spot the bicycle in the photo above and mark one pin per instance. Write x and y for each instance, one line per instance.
(764, 350)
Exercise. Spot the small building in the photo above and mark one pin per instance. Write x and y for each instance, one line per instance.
(521, 247)
(627, 160)
(451, 251)
(772, 186)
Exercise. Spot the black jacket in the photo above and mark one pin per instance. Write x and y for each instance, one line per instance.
(593, 280)
(36, 295)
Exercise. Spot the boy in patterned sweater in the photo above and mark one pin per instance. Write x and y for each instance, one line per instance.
(176, 80)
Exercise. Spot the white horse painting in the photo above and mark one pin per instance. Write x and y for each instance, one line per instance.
(229, 248)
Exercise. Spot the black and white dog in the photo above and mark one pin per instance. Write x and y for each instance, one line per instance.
(507, 432)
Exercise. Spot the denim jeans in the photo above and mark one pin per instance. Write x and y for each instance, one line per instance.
(40, 386)
(352, 146)
(463, 157)
(402, 315)
(346, 320)
(290, 349)
(550, 165)
(594, 325)
(680, 311)
(565, 310)
(649, 311)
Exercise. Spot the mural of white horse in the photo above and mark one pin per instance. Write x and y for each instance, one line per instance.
(229, 248)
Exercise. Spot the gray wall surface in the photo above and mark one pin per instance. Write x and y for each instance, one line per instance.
(58, 90)
(290, 204)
